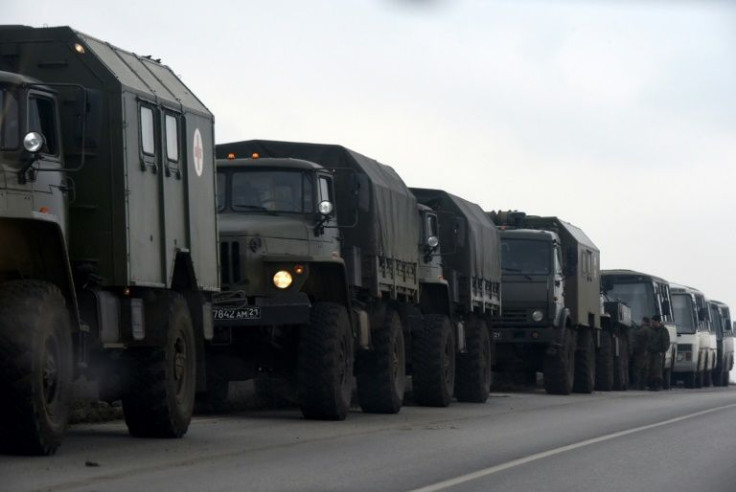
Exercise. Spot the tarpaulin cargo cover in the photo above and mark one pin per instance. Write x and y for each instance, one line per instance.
(389, 228)
(478, 253)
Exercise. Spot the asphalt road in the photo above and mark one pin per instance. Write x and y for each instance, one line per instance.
(681, 440)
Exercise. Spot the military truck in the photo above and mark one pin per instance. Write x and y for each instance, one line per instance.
(107, 214)
(696, 338)
(720, 316)
(646, 295)
(471, 265)
(551, 302)
(321, 250)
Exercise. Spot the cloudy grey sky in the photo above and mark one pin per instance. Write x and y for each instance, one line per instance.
(619, 116)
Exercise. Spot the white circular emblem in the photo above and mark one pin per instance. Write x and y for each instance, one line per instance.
(198, 152)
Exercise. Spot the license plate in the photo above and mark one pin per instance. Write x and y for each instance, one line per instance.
(237, 313)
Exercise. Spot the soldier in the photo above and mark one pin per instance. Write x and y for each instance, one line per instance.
(639, 359)
(659, 342)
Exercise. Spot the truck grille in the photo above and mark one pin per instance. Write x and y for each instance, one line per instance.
(230, 262)
(514, 316)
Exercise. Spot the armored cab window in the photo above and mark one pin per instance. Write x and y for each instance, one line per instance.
(148, 140)
(171, 123)
(9, 122)
(42, 119)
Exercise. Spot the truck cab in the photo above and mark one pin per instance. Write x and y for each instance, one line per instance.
(696, 339)
(533, 283)
(721, 319)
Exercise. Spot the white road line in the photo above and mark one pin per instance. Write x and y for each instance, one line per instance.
(446, 484)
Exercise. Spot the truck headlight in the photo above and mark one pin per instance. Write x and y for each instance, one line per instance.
(282, 279)
(537, 315)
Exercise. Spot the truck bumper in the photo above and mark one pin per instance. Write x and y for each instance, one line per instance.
(542, 335)
(282, 309)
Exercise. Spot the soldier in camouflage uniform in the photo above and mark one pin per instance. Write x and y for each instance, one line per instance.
(659, 342)
(639, 357)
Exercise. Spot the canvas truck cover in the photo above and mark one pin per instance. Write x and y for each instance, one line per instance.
(478, 254)
(387, 225)
(133, 210)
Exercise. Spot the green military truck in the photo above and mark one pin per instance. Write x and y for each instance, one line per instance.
(107, 214)
(551, 302)
(471, 266)
(355, 246)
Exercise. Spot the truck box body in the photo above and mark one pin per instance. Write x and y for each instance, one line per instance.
(125, 205)
(380, 251)
(471, 247)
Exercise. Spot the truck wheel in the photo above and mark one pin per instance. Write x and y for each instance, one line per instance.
(325, 363)
(621, 366)
(433, 362)
(160, 397)
(382, 370)
(36, 367)
(585, 364)
(473, 376)
(559, 365)
(604, 364)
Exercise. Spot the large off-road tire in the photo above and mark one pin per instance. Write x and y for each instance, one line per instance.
(381, 371)
(604, 364)
(159, 399)
(559, 365)
(585, 363)
(473, 374)
(325, 363)
(36, 367)
(621, 366)
(433, 362)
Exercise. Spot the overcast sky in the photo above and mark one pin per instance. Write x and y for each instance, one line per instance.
(618, 116)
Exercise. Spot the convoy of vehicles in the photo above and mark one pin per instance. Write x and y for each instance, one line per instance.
(329, 268)
(109, 244)
(696, 338)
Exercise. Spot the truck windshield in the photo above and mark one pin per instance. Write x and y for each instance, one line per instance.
(639, 296)
(9, 121)
(682, 305)
(272, 190)
(526, 256)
